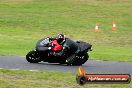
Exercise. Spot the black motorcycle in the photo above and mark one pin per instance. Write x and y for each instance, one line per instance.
(75, 53)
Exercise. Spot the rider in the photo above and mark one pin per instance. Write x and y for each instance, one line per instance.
(46, 41)
(57, 43)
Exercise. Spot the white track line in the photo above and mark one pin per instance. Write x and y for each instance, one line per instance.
(34, 70)
(14, 69)
(23, 70)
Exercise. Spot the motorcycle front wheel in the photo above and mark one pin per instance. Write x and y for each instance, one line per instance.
(33, 57)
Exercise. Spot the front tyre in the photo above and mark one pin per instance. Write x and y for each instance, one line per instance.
(33, 57)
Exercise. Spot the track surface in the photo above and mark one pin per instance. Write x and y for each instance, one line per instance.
(91, 66)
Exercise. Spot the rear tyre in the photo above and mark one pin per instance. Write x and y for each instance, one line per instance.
(84, 58)
(81, 59)
(33, 57)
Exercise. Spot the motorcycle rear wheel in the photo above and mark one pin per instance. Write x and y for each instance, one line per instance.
(81, 59)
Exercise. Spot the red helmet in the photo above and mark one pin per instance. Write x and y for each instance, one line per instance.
(60, 38)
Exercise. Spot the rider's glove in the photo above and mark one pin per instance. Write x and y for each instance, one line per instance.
(49, 48)
(66, 47)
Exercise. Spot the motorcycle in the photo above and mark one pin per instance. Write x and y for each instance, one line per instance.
(75, 52)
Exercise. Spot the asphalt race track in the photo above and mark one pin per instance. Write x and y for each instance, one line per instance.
(91, 66)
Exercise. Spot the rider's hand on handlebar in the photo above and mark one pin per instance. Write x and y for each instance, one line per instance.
(49, 48)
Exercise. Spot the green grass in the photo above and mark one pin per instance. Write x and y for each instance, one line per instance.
(23, 22)
(27, 79)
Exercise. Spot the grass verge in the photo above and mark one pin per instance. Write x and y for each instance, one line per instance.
(44, 79)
